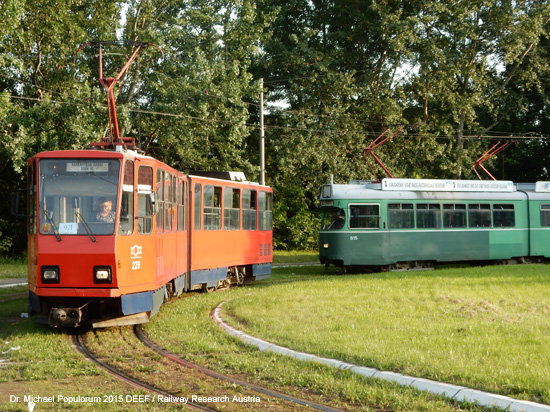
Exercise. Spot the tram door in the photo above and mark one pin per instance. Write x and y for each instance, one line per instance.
(182, 251)
(166, 242)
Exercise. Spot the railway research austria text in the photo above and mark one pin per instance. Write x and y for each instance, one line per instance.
(36, 399)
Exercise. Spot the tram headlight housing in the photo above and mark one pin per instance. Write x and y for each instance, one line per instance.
(103, 274)
(50, 274)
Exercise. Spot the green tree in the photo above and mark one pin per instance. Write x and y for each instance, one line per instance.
(467, 54)
(197, 98)
(333, 64)
(44, 104)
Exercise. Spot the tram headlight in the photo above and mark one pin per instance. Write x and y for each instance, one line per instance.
(50, 274)
(325, 246)
(103, 274)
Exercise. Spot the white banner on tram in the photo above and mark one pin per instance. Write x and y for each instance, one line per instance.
(444, 185)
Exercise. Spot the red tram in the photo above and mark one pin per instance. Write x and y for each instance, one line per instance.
(113, 234)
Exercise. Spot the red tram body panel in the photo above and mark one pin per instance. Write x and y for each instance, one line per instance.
(234, 230)
(113, 234)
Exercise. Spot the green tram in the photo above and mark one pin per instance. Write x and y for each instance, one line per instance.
(409, 223)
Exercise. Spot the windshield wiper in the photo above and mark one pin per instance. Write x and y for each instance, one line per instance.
(51, 222)
(90, 233)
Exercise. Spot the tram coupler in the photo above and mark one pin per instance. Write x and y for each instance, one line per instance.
(65, 317)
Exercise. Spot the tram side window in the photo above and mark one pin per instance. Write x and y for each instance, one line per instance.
(160, 200)
(126, 226)
(249, 209)
(232, 209)
(428, 216)
(454, 215)
(145, 206)
(266, 210)
(173, 203)
(401, 216)
(479, 215)
(197, 209)
(168, 202)
(545, 214)
(212, 211)
(181, 204)
(504, 215)
(364, 216)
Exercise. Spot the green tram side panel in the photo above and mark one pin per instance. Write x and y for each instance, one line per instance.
(506, 244)
(387, 247)
(539, 236)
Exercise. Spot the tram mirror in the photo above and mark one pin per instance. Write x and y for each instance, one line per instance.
(152, 204)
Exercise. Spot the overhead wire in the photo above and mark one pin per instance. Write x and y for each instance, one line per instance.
(87, 102)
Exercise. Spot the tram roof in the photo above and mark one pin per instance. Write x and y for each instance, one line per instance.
(436, 189)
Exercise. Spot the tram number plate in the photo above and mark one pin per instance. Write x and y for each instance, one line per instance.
(68, 229)
(353, 237)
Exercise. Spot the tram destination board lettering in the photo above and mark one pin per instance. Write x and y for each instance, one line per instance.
(442, 185)
(87, 167)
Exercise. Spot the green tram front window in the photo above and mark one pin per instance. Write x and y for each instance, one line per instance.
(78, 196)
(333, 218)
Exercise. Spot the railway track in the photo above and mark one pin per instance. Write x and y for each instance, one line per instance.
(79, 342)
(128, 354)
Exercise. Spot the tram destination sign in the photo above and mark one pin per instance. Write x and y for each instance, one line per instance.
(87, 166)
(444, 185)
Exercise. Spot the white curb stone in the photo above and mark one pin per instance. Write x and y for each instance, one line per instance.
(455, 392)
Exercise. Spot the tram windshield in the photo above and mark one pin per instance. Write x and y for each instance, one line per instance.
(333, 218)
(78, 196)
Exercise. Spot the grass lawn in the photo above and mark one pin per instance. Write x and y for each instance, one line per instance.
(481, 327)
(184, 327)
(11, 269)
(486, 328)
(291, 256)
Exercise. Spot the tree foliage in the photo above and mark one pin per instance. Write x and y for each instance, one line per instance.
(456, 75)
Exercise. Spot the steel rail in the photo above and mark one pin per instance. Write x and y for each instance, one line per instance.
(138, 330)
(81, 347)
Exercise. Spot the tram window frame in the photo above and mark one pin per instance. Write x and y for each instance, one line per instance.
(250, 209)
(428, 216)
(145, 209)
(265, 206)
(504, 215)
(168, 202)
(454, 216)
(70, 191)
(544, 214)
(126, 209)
(182, 185)
(173, 203)
(232, 208)
(479, 213)
(159, 202)
(401, 215)
(197, 207)
(358, 220)
(212, 208)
